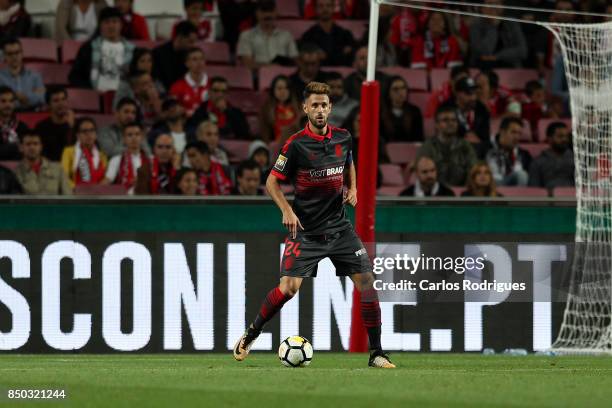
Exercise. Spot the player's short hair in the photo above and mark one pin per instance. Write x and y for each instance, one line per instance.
(552, 128)
(316, 88)
(200, 146)
(54, 90)
(248, 164)
(507, 121)
(533, 86)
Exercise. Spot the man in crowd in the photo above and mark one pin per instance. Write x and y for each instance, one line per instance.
(143, 90)
(123, 168)
(36, 174)
(208, 132)
(453, 155)
(248, 176)
(509, 164)
(192, 89)
(10, 127)
(111, 137)
(446, 91)
(427, 184)
(265, 43)
(28, 85)
(156, 176)
(8, 182)
(309, 64)
(212, 180)
(169, 58)
(56, 130)
(555, 166)
(172, 122)
(343, 105)
(352, 83)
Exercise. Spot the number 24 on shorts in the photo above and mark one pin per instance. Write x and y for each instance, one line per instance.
(294, 247)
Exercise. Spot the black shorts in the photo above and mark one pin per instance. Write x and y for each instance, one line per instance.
(344, 249)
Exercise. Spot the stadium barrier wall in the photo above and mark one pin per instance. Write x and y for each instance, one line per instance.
(186, 276)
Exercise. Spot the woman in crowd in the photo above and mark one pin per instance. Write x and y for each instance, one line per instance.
(280, 115)
(480, 182)
(437, 48)
(142, 60)
(77, 19)
(186, 182)
(498, 99)
(84, 163)
(400, 121)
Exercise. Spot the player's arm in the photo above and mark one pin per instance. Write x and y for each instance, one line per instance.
(290, 220)
(351, 194)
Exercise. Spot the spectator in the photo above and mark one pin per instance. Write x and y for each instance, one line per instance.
(248, 177)
(134, 25)
(56, 130)
(342, 104)
(260, 154)
(204, 26)
(481, 182)
(509, 164)
(554, 54)
(386, 52)
(123, 168)
(265, 43)
(473, 116)
(211, 176)
(36, 174)
(111, 137)
(353, 126)
(352, 83)
(84, 163)
(405, 28)
(454, 156)
(231, 120)
(77, 19)
(447, 91)
(496, 43)
(173, 123)
(352, 9)
(10, 127)
(280, 114)
(142, 60)
(157, 175)
(496, 98)
(101, 60)
(437, 48)
(536, 107)
(400, 120)
(427, 184)
(15, 21)
(142, 90)
(8, 182)
(555, 166)
(28, 85)
(335, 42)
(169, 58)
(309, 68)
(208, 132)
(192, 90)
(186, 182)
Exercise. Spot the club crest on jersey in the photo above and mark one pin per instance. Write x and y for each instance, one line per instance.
(280, 162)
(338, 150)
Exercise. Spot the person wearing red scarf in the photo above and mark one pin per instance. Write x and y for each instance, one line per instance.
(122, 169)
(83, 163)
(212, 179)
(157, 177)
(437, 48)
(134, 25)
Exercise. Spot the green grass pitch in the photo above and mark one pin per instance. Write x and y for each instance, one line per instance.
(333, 380)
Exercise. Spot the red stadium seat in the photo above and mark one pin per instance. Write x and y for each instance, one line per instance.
(402, 153)
(101, 190)
(39, 49)
(522, 191)
(438, 77)
(237, 77)
(534, 149)
(52, 73)
(238, 150)
(102, 120)
(10, 164)
(419, 99)
(247, 101)
(70, 48)
(216, 52)
(564, 192)
(544, 123)
(516, 79)
(84, 100)
(269, 72)
(390, 191)
(357, 27)
(32, 118)
(297, 28)
(344, 71)
(288, 9)
(145, 44)
(416, 78)
(392, 175)
(525, 136)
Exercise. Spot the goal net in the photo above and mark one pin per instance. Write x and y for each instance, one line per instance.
(587, 55)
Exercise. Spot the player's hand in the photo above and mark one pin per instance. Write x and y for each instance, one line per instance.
(350, 197)
(291, 222)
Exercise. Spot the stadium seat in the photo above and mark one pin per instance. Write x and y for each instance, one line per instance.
(390, 191)
(402, 153)
(391, 175)
(52, 73)
(357, 27)
(416, 78)
(534, 149)
(253, 121)
(216, 52)
(419, 99)
(247, 101)
(288, 9)
(438, 77)
(32, 118)
(344, 71)
(525, 136)
(146, 44)
(237, 150)
(297, 28)
(84, 100)
(70, 48)
(39, 49)
(102, 120)
(515, 79)
(163, 27)
(544, 123)
(156, 8)
(522, 191)
(10, 164)
(237, 77)
(269, 72)
(564, 192)
(100, 190)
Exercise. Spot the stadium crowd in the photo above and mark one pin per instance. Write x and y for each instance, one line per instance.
(469, 106)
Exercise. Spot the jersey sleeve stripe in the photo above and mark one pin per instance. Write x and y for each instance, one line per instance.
(278, 175)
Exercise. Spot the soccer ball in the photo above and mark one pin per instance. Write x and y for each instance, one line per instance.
(295, 351)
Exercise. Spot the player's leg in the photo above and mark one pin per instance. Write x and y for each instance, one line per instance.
(272, 304)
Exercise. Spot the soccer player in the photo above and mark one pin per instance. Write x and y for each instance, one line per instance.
(314, 160)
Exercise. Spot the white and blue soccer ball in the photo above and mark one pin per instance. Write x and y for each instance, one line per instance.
(295, 351)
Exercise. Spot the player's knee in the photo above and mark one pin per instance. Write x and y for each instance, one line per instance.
(289, 289)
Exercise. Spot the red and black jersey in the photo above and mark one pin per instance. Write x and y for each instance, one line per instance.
(315, 165)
